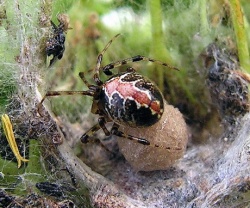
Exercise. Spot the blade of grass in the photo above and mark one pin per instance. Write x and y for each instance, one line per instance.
(240, 33)
(159, 50)
(204, 26)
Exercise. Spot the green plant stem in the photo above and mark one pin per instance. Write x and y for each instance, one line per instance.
(240, 33)
(158, 44)
(204, 26)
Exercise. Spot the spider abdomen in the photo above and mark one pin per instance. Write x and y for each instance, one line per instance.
(130, 99)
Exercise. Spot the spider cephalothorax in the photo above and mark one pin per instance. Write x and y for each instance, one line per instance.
(126, 98)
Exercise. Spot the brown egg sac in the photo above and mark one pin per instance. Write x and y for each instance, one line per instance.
(169, 133)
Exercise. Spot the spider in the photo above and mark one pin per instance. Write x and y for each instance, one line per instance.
(126, 98)
(55, 44)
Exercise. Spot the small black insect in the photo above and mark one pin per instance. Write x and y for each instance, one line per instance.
(126, 98)
(55, 45)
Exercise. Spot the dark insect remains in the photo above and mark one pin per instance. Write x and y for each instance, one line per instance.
(55, 44)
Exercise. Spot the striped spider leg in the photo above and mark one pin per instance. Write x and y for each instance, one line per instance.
(106, 69)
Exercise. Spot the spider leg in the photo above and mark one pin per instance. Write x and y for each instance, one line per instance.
(82, 76)
(59, 93)
(85, 137)
(99, 61)
(106, 69)
(143, 141)
(116, 132)
(100, 125)
(90, 86)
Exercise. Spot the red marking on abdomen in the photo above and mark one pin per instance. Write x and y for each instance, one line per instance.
(111, 86)
(156, 106)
